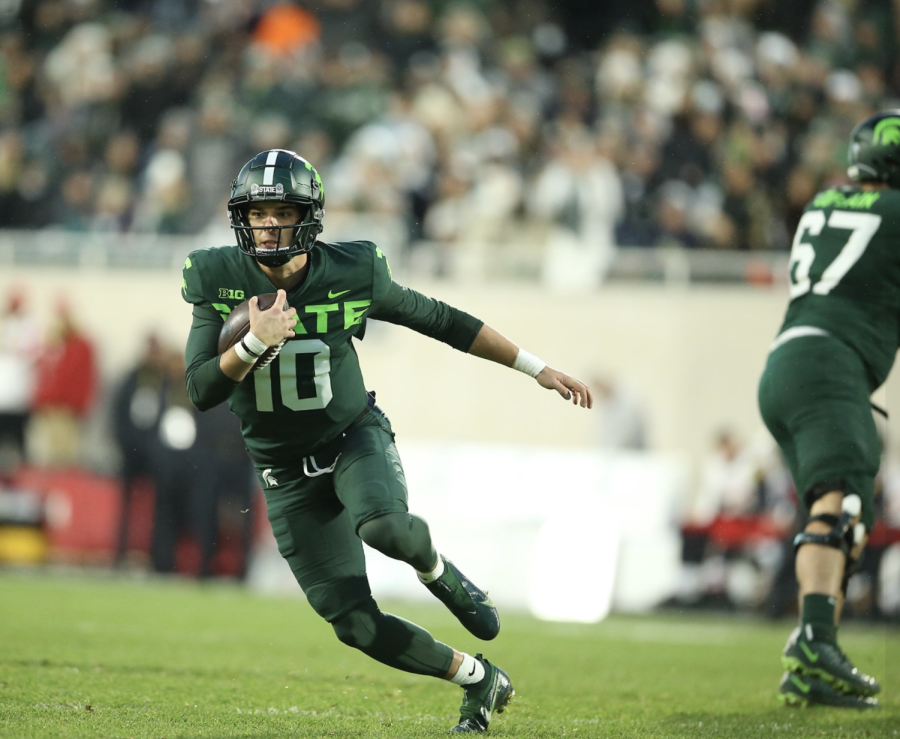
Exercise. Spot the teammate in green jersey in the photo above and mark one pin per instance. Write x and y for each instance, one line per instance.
(835, 348)
(323, 450)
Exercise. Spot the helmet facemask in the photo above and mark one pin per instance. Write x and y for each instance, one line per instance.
(293, 239)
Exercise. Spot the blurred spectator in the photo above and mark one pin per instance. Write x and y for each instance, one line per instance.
(701, 580)
(887, 545)
(148, 93)
(447, 216)
(15, 201)
(284, 29)
(690, 151)
(672, 227)
(345, 23)
(65, 388)
(76, 208)
(386, 166)
(622, 421)
(746, 207)
(406, 30)
(734, 528)
(225, 492)
(802, 185)
(136, 407)
(111, 189)
(165, 205)
(19, 349)
(82, 66)
(199, 465)
(580, 193)
(213, 152)
(175, 476)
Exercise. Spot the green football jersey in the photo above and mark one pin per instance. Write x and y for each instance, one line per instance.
(845, 273)
(314, 388)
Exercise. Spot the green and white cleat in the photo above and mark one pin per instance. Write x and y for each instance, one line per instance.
(807, 690)
(806, 656)
(466, 601)
(483, 699)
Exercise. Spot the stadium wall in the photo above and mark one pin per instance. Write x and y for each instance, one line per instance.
(692, 354)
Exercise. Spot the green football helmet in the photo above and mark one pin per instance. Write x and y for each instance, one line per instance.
(278, 174)
(875, 149)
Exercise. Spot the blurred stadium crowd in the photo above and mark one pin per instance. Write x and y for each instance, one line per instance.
(697, 123)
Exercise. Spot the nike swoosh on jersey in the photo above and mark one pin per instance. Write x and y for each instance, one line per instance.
(332, 294)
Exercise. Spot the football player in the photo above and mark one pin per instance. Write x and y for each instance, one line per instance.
(323, 450)
(834, 349)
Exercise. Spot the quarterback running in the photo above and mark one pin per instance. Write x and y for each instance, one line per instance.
(835, 347)
(323, 450)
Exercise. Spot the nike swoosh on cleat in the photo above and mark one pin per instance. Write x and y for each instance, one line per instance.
(810, 655)
(800, 684)
(332, 294)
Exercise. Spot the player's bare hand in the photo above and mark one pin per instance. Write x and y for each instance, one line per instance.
(274, 325)
(568, 387)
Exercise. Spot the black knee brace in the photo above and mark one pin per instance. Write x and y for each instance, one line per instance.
(844, 535)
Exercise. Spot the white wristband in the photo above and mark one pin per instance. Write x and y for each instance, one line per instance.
(250, 348)
(254, 345)
(528, 363)
(244, 354)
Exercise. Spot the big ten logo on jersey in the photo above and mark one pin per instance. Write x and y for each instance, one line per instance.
(351, 315)
(225, 292)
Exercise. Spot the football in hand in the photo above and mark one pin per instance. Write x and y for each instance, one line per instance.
(237, 325)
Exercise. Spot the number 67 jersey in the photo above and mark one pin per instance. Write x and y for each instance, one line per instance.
(845, 274)
(314, 388)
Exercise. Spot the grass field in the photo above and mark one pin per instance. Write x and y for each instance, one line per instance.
(103, 656)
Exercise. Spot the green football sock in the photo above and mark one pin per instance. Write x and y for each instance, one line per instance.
(818, 613)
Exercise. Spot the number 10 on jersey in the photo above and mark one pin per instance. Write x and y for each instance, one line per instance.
(289, 382)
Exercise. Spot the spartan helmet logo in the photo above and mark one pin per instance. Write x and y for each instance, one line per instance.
(874, 152)
(887, 132)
